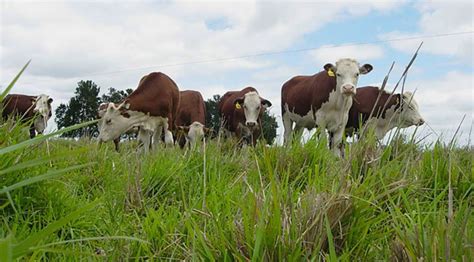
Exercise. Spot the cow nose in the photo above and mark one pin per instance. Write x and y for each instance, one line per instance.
(421, 122)
(250, 124)
(348, 89)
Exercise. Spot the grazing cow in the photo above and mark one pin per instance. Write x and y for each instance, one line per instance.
(100, 114)
(152, 107)
(241, 113)
(321, 100)
(191, 118)
(29, 108)
(397, 110)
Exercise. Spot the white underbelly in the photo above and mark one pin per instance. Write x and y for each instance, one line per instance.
(305, 121)
(152, 123)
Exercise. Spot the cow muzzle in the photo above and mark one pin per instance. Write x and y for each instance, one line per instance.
(420, 122)
(348, 89)
(251, 124)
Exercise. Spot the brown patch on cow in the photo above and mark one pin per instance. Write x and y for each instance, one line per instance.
(303, 93)
(125, 114)
(16, 105)
(364, 102)
(191, 109)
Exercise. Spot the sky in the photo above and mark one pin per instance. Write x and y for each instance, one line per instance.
(218, 46)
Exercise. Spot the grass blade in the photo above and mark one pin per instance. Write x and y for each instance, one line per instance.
(42, 138)
(12, 83)
(28, 244)
(36, 179)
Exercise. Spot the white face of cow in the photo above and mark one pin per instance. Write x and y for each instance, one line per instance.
(114, 122)
(252, 105)
(347, 73)
(409, 113)
(43, 109)
(195, 133)
(43, 106)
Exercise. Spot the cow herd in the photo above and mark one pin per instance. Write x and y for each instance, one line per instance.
(329, 100)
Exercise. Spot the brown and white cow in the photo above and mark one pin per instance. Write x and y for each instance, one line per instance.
(397, 110)
(29, 108)
(152, 107)
(241, 113)
(191, 118)
(322, 100)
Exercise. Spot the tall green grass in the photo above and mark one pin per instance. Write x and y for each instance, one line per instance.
(263, 203)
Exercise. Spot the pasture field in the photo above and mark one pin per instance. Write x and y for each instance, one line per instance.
(71, 200)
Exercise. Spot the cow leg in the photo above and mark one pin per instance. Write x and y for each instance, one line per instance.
(335, 142)
(32, 132)
(144, 137)
(116, 143)
(157, 137)
(168, 135)
(288, 125)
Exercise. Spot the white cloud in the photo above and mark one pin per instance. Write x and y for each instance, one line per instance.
(362, 53)
(440, 17)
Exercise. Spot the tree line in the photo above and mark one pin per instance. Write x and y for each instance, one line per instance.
(86, 100)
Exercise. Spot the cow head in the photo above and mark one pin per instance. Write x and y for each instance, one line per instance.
(408, 112)
(43, 109)
(194, 132)
(253, 106)
(347, 73)
(115, 121)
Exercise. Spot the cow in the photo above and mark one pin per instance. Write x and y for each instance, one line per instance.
(36, 109)
(100, 114)
(152, 107)
(241, 113)
(397, 110)
(322, 100)
(191, 118)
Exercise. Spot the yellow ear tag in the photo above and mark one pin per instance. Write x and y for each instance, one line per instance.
(238, 106)
(330, 73)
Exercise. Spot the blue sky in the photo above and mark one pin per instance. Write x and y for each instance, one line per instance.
(72, 40)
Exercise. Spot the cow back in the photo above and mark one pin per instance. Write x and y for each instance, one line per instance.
(157, 95)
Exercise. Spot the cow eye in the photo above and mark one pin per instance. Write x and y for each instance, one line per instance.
(357, 74)
(339, 75)
(108, 121)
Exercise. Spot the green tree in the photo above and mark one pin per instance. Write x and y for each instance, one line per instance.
(116, 96)
(212, 113)
(82, 107)
(269, 126)
(269, 123)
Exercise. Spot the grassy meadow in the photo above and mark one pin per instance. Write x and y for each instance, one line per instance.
(71, 200)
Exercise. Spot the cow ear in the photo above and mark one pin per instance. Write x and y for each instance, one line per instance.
(238, 101)
(266, 103)
(329, 67)
(50, 100)
(366, 68)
